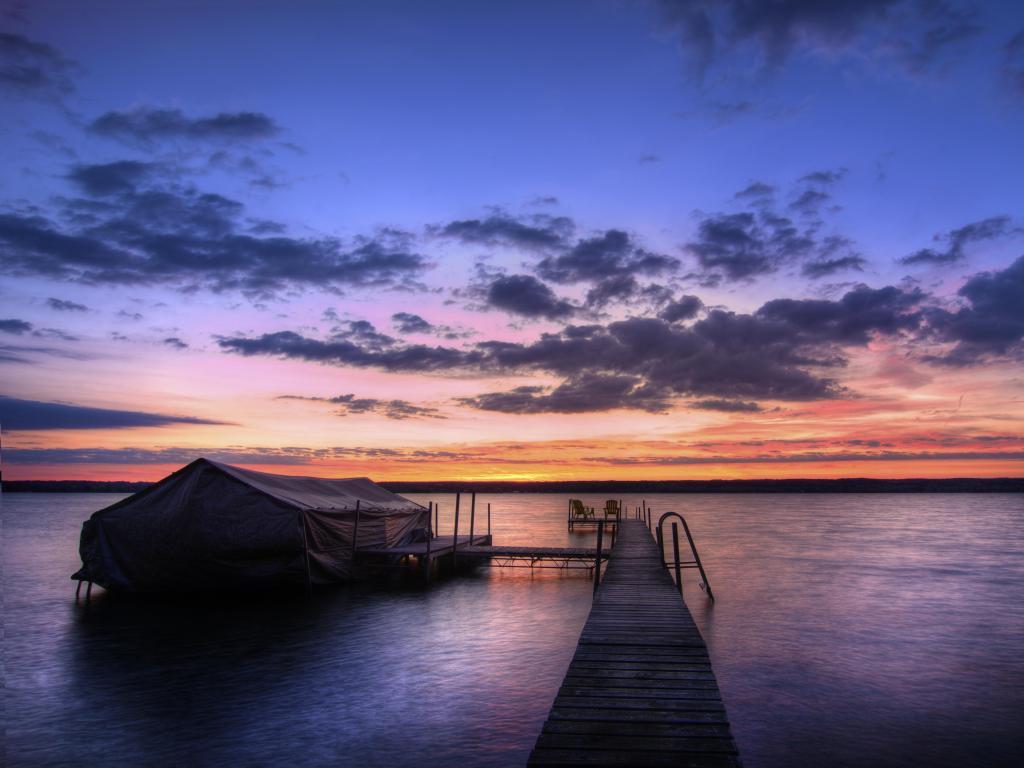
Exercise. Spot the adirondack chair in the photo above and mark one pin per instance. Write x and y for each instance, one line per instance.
(579, 511)
(611, 509)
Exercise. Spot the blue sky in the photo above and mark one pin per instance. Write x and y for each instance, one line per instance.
(883, 128)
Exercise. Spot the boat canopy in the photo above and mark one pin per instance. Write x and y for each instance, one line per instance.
(214, 526)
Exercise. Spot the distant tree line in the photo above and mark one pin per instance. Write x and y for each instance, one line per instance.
(610, 487)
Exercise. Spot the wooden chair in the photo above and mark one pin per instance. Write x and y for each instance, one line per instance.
(579, 511)
(611, 509)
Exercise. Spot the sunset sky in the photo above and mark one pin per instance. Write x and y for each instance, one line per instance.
(488, 240)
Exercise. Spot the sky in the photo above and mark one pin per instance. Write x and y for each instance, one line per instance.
(520, 241)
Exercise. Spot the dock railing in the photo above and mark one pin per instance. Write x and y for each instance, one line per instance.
(677, 564)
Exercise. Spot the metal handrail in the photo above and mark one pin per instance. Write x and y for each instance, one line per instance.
(677, 564)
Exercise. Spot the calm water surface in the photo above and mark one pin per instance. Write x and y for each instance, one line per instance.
(849, 630)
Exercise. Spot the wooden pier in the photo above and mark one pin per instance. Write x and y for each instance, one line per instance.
(640, 690)
(480, 551)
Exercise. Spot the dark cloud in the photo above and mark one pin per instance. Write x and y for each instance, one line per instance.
(21, 327)
(957, 240)
(54, 333)
(825, 267)
(853, 319)
(992, 326)
(612, 289)
(810, 202)
(538, 232)
(585, 393)
(1013, 65)
(825, 177)
(363, 332)
(527, 296)
(17, 415)
(392, 409)
(406, 322)
(611, 254)
(12, 325)
(21, 353)
(728, 406)
(684, 308)
(63, 305)
(777, 353)
(190, 240)
(144, 125)
(743, 245)
(612, 261)
(110, 178)
(917, 34)
(757, 191)
(34, 69)
(544, 200)
(648, 159)
(339, 350)
(175, 342)
(761, 240)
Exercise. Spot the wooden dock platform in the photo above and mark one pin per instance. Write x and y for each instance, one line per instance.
(640, 690)
(438, 547)
(481, 551)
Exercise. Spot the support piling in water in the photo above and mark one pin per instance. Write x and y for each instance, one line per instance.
(455, 532)
(430, 538)
(597, 560)
(355, 536)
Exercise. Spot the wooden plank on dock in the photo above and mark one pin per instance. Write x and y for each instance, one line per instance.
(442, 545)
(639, 690)
(479, 548)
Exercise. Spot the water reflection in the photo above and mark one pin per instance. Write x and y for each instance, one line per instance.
(848, 630)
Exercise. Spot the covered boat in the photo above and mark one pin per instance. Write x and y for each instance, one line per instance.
(215, 526)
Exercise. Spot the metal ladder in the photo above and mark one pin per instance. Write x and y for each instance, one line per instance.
(678, 564)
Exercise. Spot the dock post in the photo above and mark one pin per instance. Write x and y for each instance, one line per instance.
(597, 559)
(675, 554)
(472, 516)
(455, 531)
(355, 537)
(430, 519)
(488, 518)
(430, 536)
(660, 538)
(437, 521)
(78, 589)
(88, 590)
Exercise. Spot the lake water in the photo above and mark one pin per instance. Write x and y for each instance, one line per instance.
(849, 630)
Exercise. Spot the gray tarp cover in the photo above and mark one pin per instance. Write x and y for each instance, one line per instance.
(211, 526)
